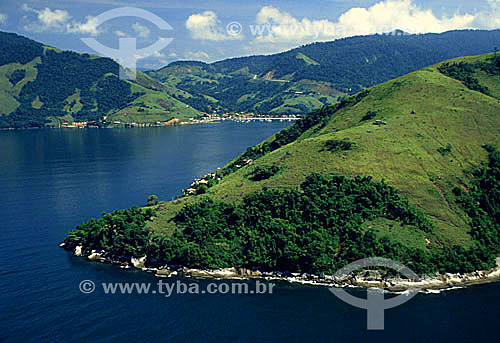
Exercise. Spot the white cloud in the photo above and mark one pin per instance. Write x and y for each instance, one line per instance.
(494, 4)
(3, 18)
(206, 26)
(385, 16)
(197, 55)
(47, 19)
(59, 21)
(156, 60)
(141, 31)
(53, 18)
(158, 54)
(489, 19)
(90, 26)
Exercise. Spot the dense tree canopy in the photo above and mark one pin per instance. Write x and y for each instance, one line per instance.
(58, 76)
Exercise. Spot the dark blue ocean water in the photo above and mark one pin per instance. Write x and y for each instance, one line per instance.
(52, 180)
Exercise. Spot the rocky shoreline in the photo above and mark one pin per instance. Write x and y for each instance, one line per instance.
(370, 279)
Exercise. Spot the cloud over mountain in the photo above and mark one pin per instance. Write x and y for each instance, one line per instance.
(206, 26)
(384, 16)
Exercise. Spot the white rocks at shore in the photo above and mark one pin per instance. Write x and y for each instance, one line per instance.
(397, 284)
(367, 279)
(98, 256)
(244, 272)
(223, 273)
(496, 272)
(164, 272)
(138, 262)
(78, 250)
(94, 256)
(445, 281)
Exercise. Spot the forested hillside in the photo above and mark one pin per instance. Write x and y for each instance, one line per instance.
(41, 86)
(310, 76)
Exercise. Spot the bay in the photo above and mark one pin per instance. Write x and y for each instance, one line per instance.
(52, 180)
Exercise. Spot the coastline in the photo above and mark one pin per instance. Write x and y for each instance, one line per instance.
(173, 122)
(427, 284)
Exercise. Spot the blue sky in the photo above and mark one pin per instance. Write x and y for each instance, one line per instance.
(201, 31)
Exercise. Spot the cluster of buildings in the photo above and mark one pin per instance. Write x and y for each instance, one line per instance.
(209, 180)
(197, 184)
(79, 124)
(243, 116)
(89, 124)
(246, 162)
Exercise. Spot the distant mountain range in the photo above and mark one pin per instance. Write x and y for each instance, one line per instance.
(310, 76)
(41, 85)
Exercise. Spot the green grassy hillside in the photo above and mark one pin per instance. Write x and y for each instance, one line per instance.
(203, 87)
(301, 197)
(42, 86)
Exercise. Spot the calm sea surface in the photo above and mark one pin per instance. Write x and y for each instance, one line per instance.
(52, 180)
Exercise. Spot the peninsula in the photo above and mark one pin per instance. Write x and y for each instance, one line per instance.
(407, 170)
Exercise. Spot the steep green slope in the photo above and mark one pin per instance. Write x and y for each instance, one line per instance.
(400, 170)
(40, 86)
(305, 78)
